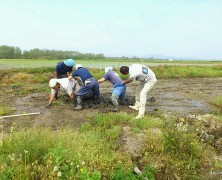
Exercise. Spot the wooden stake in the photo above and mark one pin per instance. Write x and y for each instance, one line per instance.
(17, 115)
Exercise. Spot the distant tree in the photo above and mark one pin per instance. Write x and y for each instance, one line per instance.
(18, 53)
(10, 52)
(100, 56)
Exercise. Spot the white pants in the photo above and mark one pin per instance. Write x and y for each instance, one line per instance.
(141, 95)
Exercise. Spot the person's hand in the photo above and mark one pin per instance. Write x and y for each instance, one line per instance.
(49, 105)
(70, 77)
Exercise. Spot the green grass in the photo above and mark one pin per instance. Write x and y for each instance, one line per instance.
(217, 101)
(95, 151)
(160, 71)
(100, 64)
(147, 122)
(43, 153)
(187, 71)
(5, 110)
(219, 118)
(28, 80)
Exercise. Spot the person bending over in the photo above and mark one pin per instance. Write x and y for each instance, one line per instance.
(119, 89)
(147, 80)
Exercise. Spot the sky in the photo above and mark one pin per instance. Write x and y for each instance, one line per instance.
(189, 29)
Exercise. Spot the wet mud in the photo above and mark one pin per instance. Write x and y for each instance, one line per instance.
(179, 96)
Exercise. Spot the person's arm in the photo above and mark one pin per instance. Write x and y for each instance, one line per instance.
(127, 81)
(70, 71)
(56, 74)
(70, 77)
(101, 80)
(51, 98)
(70, 90)
(72, 95)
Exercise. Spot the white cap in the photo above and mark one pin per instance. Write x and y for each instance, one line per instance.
(79, 66)
(108, 69)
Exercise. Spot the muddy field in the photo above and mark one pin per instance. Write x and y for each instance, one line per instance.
(179, 96)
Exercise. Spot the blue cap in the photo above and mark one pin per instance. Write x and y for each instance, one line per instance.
(69, 62)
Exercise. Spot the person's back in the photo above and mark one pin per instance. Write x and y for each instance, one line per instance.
(90, 84)
(141, 73)
(83, 73)
(70, 86)
(118, 90)
(113, 77)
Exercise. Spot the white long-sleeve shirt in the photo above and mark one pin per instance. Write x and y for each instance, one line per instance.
(141, 73)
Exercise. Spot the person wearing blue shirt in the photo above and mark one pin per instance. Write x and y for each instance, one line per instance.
(63, 70)
(89, 84)
(119, 89)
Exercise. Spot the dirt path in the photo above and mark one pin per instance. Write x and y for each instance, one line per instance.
(181, 96)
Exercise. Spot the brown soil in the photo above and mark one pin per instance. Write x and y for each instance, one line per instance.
(180, 96)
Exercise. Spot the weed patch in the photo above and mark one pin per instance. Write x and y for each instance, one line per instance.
(217, 101)
(5, 110)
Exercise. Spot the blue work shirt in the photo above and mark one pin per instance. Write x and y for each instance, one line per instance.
(61, 68)
(113, 77)
(83, 73)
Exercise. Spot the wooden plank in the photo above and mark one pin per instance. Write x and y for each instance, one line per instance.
(18, 115)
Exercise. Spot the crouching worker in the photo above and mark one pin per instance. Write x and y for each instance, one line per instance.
(63, 70)
(89, 84)
(147, 80)
(70, 86)
(119, 90)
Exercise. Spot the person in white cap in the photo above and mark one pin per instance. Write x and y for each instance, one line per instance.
(119, 89)
(90, 84)
(70, 86)
(147, 78)
(78, 66)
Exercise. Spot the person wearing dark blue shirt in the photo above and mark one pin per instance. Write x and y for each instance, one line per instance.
(63, 70)
(89, 84)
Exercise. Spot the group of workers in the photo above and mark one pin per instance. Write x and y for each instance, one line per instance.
(81, 83)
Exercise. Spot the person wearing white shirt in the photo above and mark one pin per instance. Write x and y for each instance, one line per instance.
(70, 86)
(147, 78)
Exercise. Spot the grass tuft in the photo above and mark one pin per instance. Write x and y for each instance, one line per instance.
(5, 110)
(217, 101)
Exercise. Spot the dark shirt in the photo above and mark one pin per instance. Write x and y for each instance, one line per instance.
(83, 73)
(113, 77)
(61, 68)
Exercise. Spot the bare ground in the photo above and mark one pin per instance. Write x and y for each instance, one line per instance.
(180, 96)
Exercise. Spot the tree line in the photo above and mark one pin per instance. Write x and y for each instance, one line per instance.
(11, 52)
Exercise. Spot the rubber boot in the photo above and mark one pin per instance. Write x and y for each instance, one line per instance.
(74, 102)
(116, 109)
(79, 103)
(123, 103)
(136, 106)
(114, 100)
(141, 112)
(96, 99)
